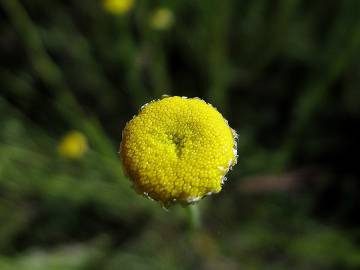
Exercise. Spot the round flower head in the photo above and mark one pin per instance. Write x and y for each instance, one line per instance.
(73, 145)
(162, 19)
(118, 7)
(178, 149)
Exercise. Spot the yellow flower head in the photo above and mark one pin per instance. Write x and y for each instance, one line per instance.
(162, 19)
(118, 7)
(73, 145)
(178, 149)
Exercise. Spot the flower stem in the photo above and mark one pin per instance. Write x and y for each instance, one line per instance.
(194, 216)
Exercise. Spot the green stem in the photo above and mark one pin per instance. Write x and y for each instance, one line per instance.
(194, 216)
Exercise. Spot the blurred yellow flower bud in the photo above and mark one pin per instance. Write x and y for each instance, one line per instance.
(178, 149)
(73, 145)
(118, 7)
(162, 19)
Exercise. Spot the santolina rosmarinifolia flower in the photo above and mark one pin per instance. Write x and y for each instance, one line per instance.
(178, 149)
(73, 145)
(118, 7)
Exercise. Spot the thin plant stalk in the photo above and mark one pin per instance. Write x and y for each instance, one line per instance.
(194, 216)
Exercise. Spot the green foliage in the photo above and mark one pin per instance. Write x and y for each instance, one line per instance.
(285, 73)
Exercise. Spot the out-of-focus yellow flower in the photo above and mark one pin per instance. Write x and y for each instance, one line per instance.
(178, 149)
(73, 145)
(118, 7)
(162, 19)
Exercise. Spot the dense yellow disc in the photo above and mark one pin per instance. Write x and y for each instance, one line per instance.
(178, 149)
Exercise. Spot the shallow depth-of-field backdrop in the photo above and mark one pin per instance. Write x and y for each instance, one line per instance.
(285, 73)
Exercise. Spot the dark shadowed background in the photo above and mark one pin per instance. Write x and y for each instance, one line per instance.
(285, 73)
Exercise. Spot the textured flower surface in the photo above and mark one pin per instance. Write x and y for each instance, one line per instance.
(178, 149)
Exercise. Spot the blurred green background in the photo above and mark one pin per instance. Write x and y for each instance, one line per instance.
(285, 73)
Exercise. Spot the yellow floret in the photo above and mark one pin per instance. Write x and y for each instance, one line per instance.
(178, 149)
